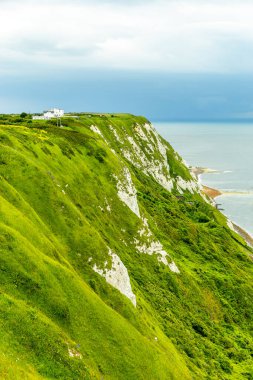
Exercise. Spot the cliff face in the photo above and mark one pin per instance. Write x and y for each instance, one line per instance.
(113, 265)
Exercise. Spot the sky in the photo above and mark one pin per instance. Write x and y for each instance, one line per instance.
(178, 60)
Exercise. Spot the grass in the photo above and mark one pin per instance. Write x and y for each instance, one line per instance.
(56, 184)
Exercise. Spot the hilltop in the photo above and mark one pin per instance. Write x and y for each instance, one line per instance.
(114, 264)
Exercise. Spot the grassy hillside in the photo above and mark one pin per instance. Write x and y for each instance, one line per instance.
(98, 216)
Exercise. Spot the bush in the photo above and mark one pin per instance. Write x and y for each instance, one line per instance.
(226, 366)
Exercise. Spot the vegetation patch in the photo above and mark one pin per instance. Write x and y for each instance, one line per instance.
(60, 215)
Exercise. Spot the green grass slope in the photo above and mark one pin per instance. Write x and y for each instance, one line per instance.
(60, 215)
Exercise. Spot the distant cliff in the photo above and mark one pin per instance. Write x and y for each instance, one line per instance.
(114, 265)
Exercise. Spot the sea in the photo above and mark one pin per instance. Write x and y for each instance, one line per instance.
(227, 149)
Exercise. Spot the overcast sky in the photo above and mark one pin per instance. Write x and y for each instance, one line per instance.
(52, 42)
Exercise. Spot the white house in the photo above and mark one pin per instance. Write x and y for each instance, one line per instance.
(47, 115)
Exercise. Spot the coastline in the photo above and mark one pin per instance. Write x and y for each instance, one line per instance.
(213, 193)
(209, 191)
(197, 170)
(244, 234)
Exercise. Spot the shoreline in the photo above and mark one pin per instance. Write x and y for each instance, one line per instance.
(197, 170)
(244, 234)
(209, 191)
(213, 193)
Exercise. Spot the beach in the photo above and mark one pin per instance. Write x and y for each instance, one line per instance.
(213, 193)
(209, 191)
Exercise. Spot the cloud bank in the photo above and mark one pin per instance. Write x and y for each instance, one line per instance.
(170, 36)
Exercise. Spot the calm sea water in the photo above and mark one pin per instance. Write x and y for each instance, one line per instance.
(227, 148)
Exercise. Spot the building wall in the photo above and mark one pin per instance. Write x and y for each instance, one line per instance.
(55, 112)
